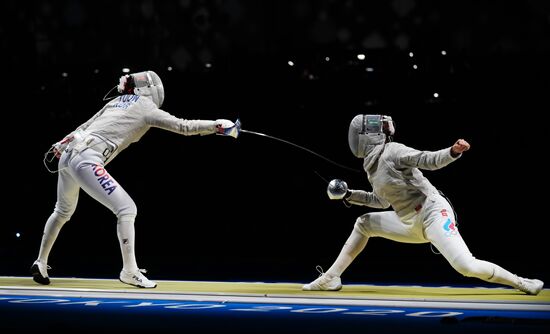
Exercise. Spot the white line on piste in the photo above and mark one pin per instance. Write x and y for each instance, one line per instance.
(272, 299)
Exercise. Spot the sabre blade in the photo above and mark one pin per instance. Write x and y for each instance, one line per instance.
(302, 148)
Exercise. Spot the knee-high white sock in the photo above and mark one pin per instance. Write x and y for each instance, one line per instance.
(469, 266)
(353, 246)
(51, 230)
(502, 276)
(126, 238)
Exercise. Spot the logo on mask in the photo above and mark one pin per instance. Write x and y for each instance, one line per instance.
(104, 179)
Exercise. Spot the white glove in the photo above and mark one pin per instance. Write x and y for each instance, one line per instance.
(225, 127)
(337, 189)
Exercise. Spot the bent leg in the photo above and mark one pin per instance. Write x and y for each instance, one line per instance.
(388, 225)
(354, 245)
(384, 224)
(94, 179)
(380, 224)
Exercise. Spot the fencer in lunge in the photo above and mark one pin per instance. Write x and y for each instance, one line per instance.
(420, 213)
(84, 153)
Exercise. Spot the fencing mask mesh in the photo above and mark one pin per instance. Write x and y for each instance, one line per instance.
(146, 83)
(367, 131)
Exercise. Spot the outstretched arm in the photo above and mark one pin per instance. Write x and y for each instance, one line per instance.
(429, 160)
(164, 120)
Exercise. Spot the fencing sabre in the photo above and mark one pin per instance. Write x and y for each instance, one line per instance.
(302, 148)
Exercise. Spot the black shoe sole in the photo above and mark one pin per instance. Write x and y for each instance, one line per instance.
(37, 276)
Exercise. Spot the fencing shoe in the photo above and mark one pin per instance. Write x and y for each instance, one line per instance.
(136, 278)
(530, 286)
(325, 283)
(39, 272)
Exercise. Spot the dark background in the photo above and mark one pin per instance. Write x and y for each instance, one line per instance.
(255, 209)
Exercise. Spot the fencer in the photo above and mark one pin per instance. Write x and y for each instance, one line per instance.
(84, 154)
(420, 214)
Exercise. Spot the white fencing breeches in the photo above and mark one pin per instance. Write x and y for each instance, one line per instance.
(86, 170)
(435, 223)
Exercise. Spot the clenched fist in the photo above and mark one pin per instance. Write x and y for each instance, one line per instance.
(459, 146)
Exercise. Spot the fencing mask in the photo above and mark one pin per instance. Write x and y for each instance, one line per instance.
(146, 83)
(367, 131)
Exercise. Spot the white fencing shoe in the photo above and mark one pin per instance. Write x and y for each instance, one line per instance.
(39, 272)
(530, 286)
(136, 278)
(324, 283)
